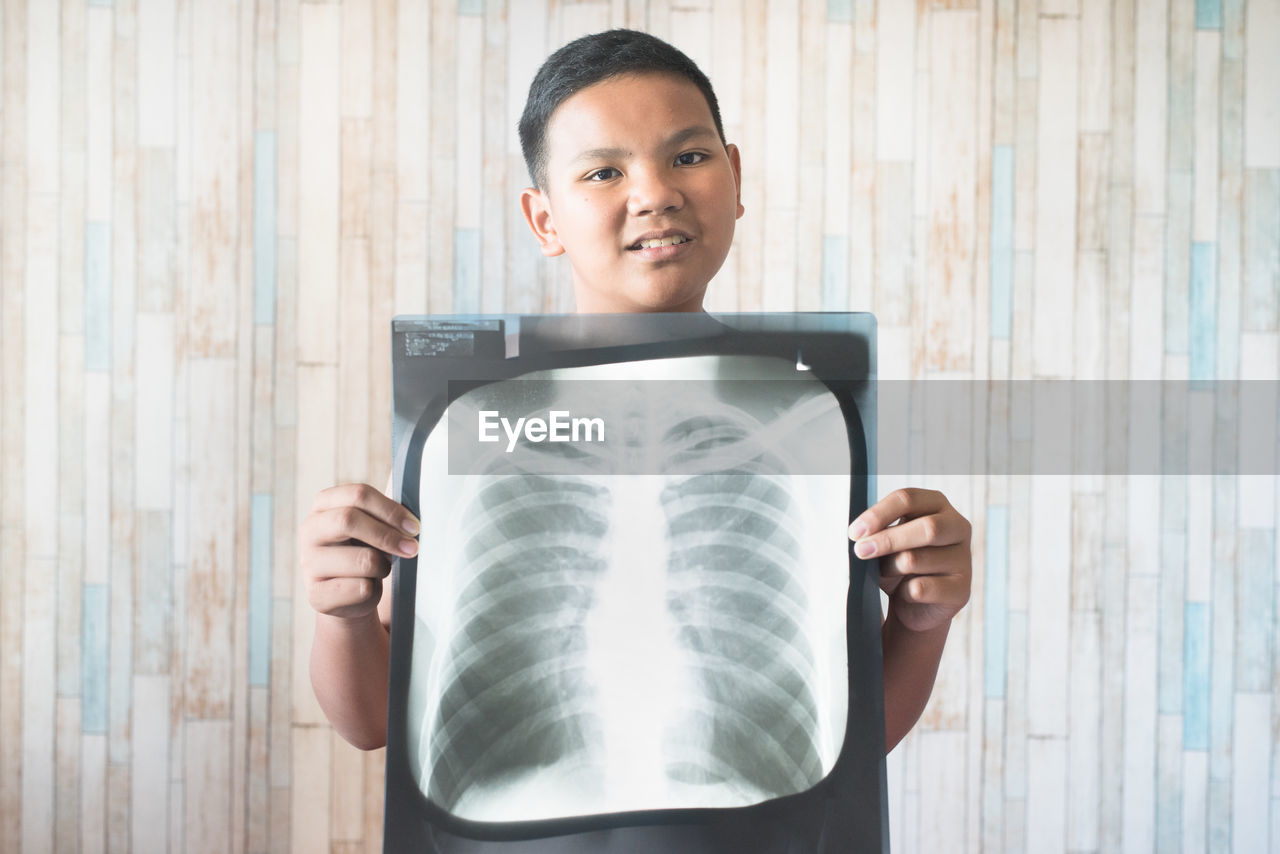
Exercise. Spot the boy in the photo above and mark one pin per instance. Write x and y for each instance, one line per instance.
(635, 184)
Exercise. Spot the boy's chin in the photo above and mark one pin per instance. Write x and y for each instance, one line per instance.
(651, 299)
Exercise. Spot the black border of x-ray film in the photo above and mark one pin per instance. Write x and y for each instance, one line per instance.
(848, 809)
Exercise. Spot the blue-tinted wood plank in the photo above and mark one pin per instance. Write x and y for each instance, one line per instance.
(1001, 241)
(1209, 14)
(94, 646)
(471, 7)
(1195, 677)
(840, 10)
(264, 227)
(260, 528)
(835, 272)
(996, 604)
(466, 270)
(97, 297)
(1203, 332)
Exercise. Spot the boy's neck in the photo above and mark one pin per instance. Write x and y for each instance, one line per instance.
(591, 303)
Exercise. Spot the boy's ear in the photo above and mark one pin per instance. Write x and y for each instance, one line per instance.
(537, 212)
(735, 161)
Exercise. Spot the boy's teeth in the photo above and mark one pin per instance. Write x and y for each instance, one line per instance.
(665, 241)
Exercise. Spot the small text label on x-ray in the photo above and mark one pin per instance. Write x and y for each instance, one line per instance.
(558, 426)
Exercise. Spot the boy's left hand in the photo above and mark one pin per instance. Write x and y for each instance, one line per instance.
(925, 565)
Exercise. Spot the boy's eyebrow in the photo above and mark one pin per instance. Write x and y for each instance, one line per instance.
(678, 138)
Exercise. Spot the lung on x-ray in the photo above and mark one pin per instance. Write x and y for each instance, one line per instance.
(635, 622)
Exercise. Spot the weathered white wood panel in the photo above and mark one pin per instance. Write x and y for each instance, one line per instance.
(211, 211)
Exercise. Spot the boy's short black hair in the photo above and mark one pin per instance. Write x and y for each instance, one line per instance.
(589, 60)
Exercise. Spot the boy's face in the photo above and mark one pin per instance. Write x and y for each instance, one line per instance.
(629, 159)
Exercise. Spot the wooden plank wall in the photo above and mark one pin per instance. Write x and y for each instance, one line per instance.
(209, 211)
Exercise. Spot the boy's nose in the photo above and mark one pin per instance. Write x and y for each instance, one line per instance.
(652, 193)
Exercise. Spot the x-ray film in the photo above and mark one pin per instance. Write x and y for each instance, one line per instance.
(635, 622)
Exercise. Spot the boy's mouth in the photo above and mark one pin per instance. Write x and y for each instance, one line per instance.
(653, 241)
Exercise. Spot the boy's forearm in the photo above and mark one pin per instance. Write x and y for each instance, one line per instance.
(910, 667)
(349, 660)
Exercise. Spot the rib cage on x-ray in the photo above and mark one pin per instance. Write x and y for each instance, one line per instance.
(721, 686)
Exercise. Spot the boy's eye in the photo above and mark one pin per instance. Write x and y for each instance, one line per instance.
(689, 158)
(603, 174)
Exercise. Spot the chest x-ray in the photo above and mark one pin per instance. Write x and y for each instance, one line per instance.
(634, 611)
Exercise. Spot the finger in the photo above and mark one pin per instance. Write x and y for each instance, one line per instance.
(347, 562)
(889, 583)
(944, 590)
(940, 529)
(371, 501)
(341, 525)
(345, 597)
(905, 503)
(941, 560)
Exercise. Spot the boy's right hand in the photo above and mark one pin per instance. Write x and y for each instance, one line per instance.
(343, 548)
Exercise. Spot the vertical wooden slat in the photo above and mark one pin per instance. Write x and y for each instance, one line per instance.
(941, 778)
(67, 758)
(1139, 716)
(1251, 772)
(66, 802)
(346, 795)
(952, 181)
(1150, 140)
(861, 228)
(150, 768)
(93, 794)
(1208, 49)
(214, 164)
(413, 117)
(810, 44)
(442, 180)
(207, 790)
(1015, 736)
(1056, 198)
(1261, 95)
(258, 792)
(1048, 605)
(783, 175)
(309, 790)
(38, 566)
(156, 80)
(316, 448)
(750, 233)
(318, 164)
(210, 578)
(494, 135)
(895, 80)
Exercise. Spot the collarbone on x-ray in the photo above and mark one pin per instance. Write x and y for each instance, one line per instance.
(590, 643)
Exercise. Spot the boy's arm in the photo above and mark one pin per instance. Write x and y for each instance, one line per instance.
(910, 665)
(343, 547)
(925, 569)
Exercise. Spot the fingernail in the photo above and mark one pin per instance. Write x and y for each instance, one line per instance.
(408, 548)
(857, 530)
(866, 548)
(411, 525)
